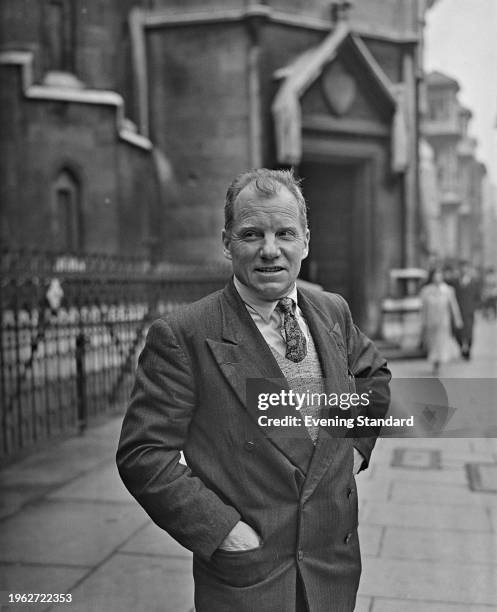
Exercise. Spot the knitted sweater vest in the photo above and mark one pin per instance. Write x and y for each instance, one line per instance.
(302, 377)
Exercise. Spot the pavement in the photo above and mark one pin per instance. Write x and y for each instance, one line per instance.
(429, 540)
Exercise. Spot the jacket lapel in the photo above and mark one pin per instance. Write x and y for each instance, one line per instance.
(332, 353)
(328, 340)
(243, 354)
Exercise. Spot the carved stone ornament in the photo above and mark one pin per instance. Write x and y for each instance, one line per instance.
(339, 88)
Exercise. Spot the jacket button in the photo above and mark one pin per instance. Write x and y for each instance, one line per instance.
(347, 538)
(300, 555)
(249, 445)
(349, 492)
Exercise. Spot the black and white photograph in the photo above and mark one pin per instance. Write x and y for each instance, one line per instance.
(248, 350)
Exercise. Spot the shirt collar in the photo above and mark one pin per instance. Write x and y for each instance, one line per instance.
(264, 308)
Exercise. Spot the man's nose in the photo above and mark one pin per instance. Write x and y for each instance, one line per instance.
(270, 248)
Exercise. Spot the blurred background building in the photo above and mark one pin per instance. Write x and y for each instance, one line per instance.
(490, 225)
(456, 211)
(75, 175)
(123, 123)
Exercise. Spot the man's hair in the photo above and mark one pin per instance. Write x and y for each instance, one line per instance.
(266, 184)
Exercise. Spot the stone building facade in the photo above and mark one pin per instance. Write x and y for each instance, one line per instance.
(489, 226)
(75, 175)
(460, 176)
(124, 121)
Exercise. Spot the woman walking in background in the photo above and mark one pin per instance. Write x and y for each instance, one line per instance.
(439, 309)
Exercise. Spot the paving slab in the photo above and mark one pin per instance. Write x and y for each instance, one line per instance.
(482, 477)
(102, 485)
(370, 537)
(415, 458)
(430, 493)
(369, 473)
(445, 476)
(452, 449)
(13, 498)
(452, 445)
(68, 533)
(463, 444)
(450, 458)
(400, 605)
(377, 489)
(22, 578)
(363, 604)
(464, 584)
(153, 540)
(493, 517)
(58, 464)
(109, 431)
(482, 445)
(429, 516)
(382, 453)
(129, 583)
(432, 545)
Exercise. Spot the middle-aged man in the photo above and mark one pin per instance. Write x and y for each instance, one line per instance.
(269, 513)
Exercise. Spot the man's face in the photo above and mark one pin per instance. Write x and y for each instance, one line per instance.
(267, 242)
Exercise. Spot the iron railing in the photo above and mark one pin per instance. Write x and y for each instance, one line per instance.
(71, 331)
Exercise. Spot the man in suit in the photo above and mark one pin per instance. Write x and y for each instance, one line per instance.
(468, 295)
(270, 512)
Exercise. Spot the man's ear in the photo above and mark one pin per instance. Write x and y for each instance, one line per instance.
(307, 237)
(226, 238)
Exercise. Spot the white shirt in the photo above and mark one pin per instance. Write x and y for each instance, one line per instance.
(268, 319)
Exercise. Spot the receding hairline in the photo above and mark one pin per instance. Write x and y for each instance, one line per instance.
(259, 195)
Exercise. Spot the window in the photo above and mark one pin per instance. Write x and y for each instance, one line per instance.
(67, 222)
(60, 35)
(438, 108)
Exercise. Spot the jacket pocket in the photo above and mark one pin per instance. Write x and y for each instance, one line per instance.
(240, 568)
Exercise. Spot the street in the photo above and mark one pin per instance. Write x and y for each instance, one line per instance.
(428, 530)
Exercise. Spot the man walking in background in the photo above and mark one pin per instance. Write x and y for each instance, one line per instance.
(468, 292)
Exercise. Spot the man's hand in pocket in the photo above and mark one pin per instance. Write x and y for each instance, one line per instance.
(241, 537)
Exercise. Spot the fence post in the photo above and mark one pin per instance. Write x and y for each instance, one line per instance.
(82, 405)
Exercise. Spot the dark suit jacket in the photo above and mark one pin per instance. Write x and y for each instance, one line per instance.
(190, 394)
(468, 297)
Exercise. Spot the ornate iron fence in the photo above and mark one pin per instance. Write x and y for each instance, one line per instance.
(71, 331)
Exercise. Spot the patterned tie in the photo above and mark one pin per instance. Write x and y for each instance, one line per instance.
(296, 344)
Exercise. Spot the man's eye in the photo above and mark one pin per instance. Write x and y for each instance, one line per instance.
(286, 234)
(247, 235)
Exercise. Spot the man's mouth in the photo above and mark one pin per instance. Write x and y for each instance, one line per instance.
(269, 269)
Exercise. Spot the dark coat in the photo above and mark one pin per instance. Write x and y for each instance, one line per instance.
(468, 297)
(190, 394)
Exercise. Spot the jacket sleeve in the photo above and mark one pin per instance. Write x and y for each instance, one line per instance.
(372, 376)
(155, 429)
